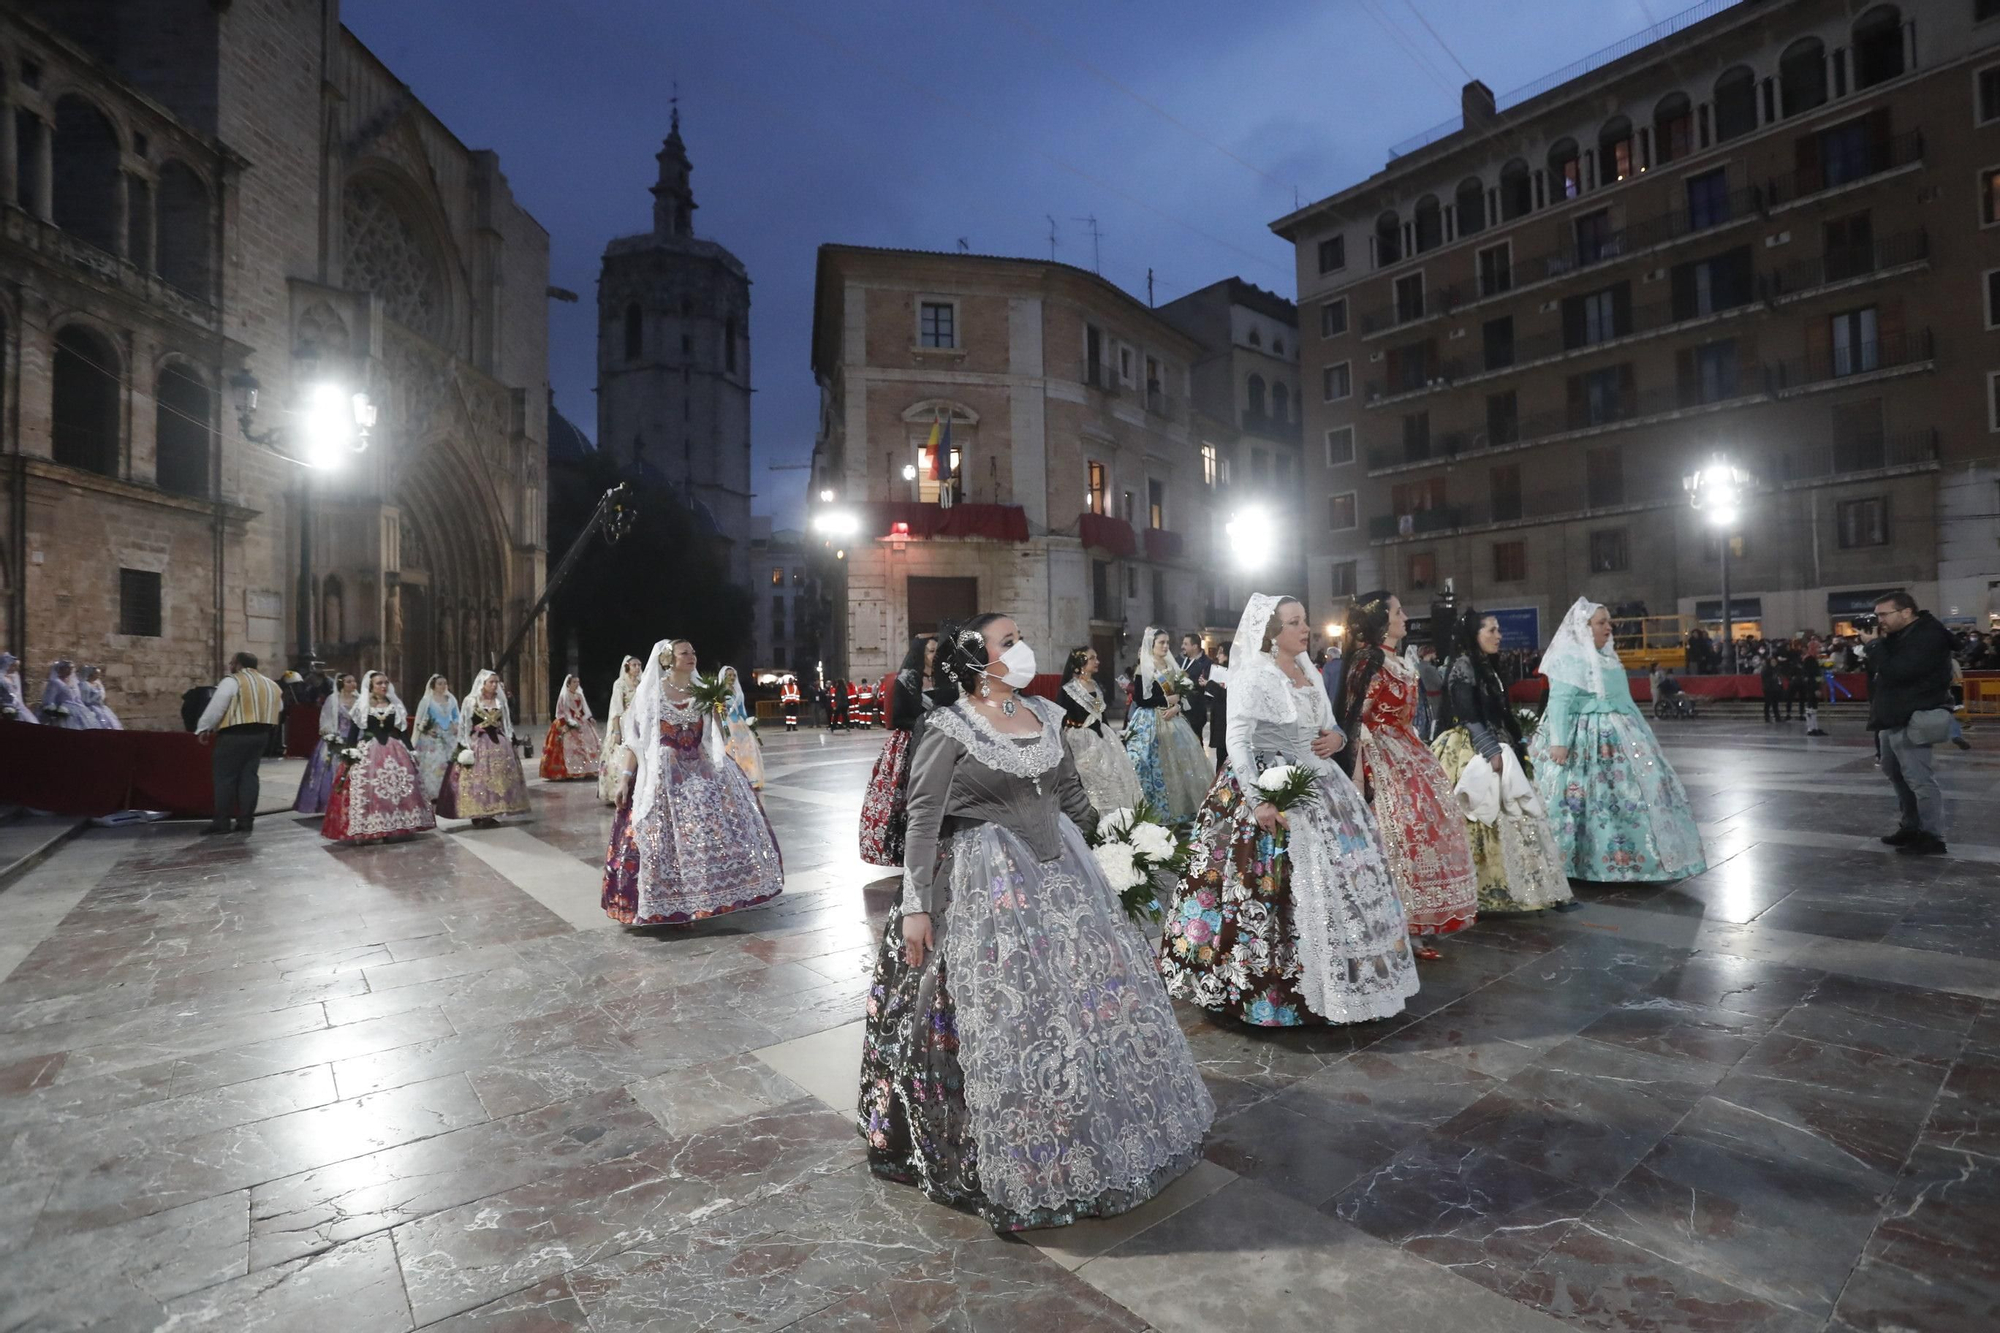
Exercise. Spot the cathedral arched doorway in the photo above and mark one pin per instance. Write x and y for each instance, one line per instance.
(446, 611)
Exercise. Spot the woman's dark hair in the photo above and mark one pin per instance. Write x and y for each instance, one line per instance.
(1489, 692)
(1367, 622)
(1074, 662)
(961, 655)
(1271, 626)
(913, 660)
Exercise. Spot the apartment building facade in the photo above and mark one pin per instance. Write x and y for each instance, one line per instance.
(1073, 496)
(1773, 233)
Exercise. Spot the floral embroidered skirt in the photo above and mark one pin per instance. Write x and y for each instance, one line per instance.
(741, 744)
(884, 819)
(1422, 831)
(1243, 926)
(316, 786)
(1106, 770)
(381, 795)
(1520, 867)
(1618, 811)
(703, 849)
(434, 750)
(1172, 767)
(570, 753)
(1001, 1081)
(491, 786)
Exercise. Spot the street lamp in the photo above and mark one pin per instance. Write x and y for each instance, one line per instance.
(333, 426)
(1252, 536)
(1717, 492)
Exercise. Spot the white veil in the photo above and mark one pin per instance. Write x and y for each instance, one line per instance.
(571, 695)
(429, 699)
(1257, 685)
(470, 705)
(1572, 659)
(359, 712)
(1146, 668)
(621, 697)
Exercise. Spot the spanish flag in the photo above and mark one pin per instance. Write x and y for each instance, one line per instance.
(942, 463)
(931, 445)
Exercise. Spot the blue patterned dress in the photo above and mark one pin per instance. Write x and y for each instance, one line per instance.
(1617, 810)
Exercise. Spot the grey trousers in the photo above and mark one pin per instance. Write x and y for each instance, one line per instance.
(234, 768)
(1908, 768)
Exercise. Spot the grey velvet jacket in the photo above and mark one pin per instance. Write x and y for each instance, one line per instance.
(967, 773)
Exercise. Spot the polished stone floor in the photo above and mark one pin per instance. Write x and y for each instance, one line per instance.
(267, 1083)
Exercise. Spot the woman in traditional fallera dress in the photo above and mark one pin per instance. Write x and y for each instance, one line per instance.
(690, 840)
(1109, 779)
(1019, 1059)
(614, 760)
(572, 749)
(1422, 830)
(916, 691)
(378, 795)
(1479, 743)
(62, 706)
(1618, 811)
(1285, 919)
(1173, 770)
(483, 781)
(437, 734)
(337, 731)
(739, 738)
(10, 671)
(91, 691)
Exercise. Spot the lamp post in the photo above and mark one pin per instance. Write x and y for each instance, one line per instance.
(1716, 492)
(331, 428)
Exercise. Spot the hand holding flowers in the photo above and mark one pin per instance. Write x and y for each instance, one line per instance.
(711, 693)
(1134, 849)
(1282, 786)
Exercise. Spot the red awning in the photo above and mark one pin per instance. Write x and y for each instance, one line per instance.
(1162, 545)
(1104, 533)
(1000, 523)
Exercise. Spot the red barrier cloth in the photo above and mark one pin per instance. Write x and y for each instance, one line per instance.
(1163, 545)
(1001, 523)
(301, 730)
(1104, 533)
(91, 773)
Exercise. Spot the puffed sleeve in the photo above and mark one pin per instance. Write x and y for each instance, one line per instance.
(931, 771)
(1559, 718)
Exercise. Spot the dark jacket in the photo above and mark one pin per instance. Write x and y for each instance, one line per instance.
(1908, 671)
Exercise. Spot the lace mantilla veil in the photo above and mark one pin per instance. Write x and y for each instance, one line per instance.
(1572, 659)
(359, 712)
(471, 703)
(1257, 685)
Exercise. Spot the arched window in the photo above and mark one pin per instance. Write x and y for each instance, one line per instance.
(1517, 193)
(1430, 224)
(181, 431)
(1277, 347)
(1388, 239)
(1470, 204)
(1256, 339)
(1281, 402)
(1565, 170)
(729, 345)
(1802, 76)
(85, 177)
(184, 231)
(635, 332)
(1256, 408)
(1673, 128)
(84, 431)
(332, 610)
(1735, 103)
(1615, 159)
(1878, 46)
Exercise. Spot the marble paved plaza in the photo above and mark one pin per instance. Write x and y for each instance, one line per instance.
(268, 1083)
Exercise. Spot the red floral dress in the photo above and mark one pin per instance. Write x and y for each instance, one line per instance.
(1423, 831)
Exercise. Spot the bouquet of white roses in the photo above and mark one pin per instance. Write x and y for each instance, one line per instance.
(350, 754)
(1135, 850)
(464, 756)
(1175, 681)
(1285, 785)
(1529, 721)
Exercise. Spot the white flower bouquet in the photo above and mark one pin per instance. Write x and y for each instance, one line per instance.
(56, 710)
(1285, 785)
(1528, 719)
(1136, 850)
(350, 754)
(464, 756)
(1175, 681)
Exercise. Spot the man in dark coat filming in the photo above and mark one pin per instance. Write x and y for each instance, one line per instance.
(1909, 710)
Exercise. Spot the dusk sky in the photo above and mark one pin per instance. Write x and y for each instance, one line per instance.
(896, 123)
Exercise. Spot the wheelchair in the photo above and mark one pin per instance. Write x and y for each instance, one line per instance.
(1679, 705)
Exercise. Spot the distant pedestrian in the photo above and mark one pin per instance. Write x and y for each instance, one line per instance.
(1773, 683)
(238, 722)
(1909, 710)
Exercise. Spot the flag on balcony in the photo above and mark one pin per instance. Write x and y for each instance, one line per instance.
(940, 447)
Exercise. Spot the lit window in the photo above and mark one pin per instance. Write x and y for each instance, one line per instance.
(1340, 512)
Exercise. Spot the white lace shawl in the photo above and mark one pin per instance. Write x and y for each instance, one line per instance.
(469, 707)
(364, 704)
(1572, 658)
(987, 744)
(1087, 696)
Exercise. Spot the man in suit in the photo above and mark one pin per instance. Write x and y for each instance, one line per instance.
(1195, 662)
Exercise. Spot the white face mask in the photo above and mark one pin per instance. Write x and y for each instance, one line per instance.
(1018, 666)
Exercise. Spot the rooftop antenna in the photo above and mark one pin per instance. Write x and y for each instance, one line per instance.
(964, 246)
(1052, 237)
(1149, 286)
(1096, 236)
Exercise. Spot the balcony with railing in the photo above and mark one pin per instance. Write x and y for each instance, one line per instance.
(1269, 427)
(1841, 164)
(1843, 264)
(1900, 352)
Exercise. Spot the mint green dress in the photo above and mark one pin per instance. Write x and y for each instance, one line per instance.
(1616, 808)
